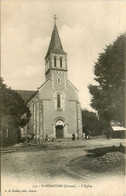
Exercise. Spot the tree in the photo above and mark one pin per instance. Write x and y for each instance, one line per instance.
(13, 108)
(90, 123)
(108, 97)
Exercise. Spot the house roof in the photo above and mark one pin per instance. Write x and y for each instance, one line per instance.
(26, 95)
(55, 45)
(118, 128)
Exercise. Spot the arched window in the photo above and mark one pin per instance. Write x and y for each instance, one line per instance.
(54, 61)
(58, 101)
(61, 61)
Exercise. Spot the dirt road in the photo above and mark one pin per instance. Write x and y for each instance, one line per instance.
(50, 163)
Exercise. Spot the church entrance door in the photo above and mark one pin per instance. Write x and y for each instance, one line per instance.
(59, 131)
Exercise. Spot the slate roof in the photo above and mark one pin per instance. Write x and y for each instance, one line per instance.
(26, 95)
(55, 45)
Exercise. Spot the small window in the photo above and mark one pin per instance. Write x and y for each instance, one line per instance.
(58, 101)
(54, 61)
(58, 80)
(61, 61)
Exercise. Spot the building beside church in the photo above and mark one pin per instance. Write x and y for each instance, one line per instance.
(55, 107)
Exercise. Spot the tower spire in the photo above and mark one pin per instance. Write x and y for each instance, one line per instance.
(55, 45)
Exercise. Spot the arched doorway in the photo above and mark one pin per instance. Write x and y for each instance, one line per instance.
(59, 129)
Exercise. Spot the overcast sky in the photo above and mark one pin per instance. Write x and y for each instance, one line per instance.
(85, 28)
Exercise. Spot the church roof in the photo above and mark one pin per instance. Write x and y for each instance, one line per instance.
(72, 85)
(55, 45)
(26, 95)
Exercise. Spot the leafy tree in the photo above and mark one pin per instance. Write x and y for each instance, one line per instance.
(13, 108)
(108, 97)
(90, 123)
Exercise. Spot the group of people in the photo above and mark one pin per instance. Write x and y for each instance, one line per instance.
(47, 139)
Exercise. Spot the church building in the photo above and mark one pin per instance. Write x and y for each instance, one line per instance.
(55, 107)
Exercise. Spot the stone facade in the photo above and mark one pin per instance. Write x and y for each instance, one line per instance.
(55, 108)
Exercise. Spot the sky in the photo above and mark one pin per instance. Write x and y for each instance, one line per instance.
(85, 29)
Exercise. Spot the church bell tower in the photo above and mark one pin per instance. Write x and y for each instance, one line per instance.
(56, 60)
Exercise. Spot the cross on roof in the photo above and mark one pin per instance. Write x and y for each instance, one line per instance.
(55, 18)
